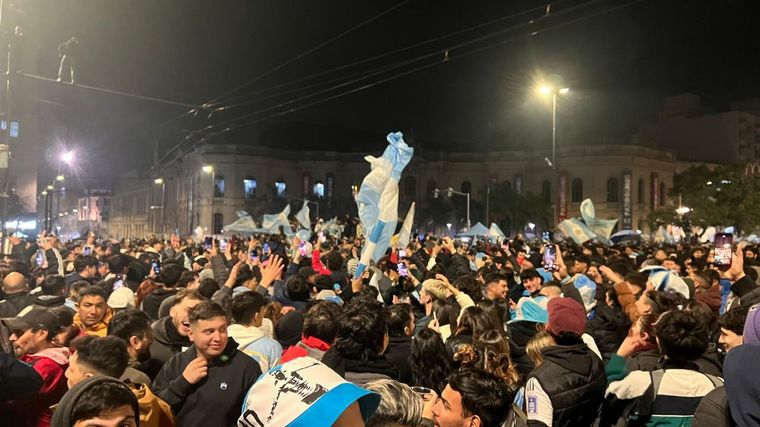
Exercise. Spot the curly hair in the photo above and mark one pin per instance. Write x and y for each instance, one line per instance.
(489, 352)
(362, 330)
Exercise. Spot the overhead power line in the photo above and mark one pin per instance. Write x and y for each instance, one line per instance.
(405, 73)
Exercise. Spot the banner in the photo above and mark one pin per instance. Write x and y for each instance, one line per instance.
(627, 223)
(562, 197)
(655, 199)
(518, 184)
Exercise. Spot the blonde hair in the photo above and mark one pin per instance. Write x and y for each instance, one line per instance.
(539, 342)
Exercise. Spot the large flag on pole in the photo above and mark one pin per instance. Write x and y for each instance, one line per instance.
(406, 229)
(272, 222)
(377, 199)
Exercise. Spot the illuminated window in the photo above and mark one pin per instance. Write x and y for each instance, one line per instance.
(249, 187)
(218, 185)
(280, 188)
(319, 189)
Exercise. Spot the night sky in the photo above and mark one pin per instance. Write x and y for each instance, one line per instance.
(620, 65)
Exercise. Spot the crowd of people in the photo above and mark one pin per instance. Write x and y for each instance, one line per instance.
(273, 331)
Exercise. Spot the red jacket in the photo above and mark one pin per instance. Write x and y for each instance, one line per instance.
(308, 346)
(51, 364)
(317, 265)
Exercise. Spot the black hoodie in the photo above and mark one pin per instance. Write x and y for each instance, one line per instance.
(216, 399)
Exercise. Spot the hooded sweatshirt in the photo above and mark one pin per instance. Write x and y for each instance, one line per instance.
(154, 412)
(214, 400)
(51, 365)
(254, 342)
(65, 408)
(99, 329)
(742, 386)
(166, 340)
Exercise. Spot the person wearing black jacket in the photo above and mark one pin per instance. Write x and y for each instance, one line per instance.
(400, 328)
(16, 295)
(170, 333)
(567, 389)
(206, 384)
(168, 278)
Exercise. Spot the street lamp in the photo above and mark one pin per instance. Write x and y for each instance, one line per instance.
(60, 178)
(67, 156)
(207, 168)
(450, 192)
(162, 183)
(547, 90)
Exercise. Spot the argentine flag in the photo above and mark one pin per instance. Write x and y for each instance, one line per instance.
(377, 199)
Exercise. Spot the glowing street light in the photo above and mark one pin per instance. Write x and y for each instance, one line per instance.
(60, 178)
(50, 187)
(158, 181)
(44, 192)
(207, 168)
(546, 90)
(67, 157)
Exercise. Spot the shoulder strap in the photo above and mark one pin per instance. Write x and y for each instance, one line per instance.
(717, 382)
(656, 380)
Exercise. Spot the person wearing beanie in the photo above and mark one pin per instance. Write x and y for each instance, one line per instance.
(105, 400)
(567, 389)
(752, 326)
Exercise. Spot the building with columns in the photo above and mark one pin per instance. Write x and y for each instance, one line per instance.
(209, 186)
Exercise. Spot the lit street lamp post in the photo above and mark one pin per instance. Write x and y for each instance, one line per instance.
(162, 183)
(549, 90)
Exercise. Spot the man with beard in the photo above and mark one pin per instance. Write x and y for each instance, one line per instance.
(170, 333)
(133, 326)
(32, 333)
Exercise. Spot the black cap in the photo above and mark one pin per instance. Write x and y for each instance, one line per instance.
(34, 317)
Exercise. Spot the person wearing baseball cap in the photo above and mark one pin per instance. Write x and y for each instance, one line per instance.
(567, 389)
(32, 333)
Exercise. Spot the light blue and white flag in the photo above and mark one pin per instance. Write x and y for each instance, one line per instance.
(303, 216)
(377, 199)
(272, 222)
(601, 227)
(576, 230)
(406, 229)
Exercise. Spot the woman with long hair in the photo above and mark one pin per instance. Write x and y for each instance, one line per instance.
(474, 322)
(490, 352)
(431, 364)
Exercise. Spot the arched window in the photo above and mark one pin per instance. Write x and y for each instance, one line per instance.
(466, 187)
(319, 189)
(249, 188)
(218, 185)
(410, 187)
(641, 190)
(546, 191)
(576, 190)
(218, 223)
(613, 189)
(662, 194)
(280, 188)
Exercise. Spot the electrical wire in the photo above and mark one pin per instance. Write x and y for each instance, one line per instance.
(370, 85)
(400, 64)
(303, 54)
(392, 52)
(112, 91)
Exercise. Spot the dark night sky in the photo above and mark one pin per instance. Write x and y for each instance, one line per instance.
(620, 66)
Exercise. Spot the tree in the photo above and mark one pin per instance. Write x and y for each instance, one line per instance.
(512, 210)
(724, 196)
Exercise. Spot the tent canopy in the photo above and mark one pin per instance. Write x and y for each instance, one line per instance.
(476, 230)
